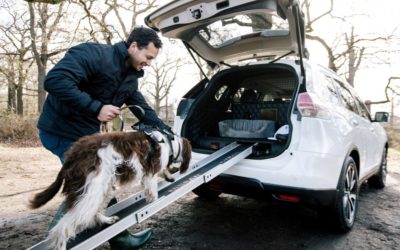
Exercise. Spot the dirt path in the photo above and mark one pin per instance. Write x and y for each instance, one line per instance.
(230, 222)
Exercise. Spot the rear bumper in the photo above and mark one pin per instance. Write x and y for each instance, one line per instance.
(249, 187)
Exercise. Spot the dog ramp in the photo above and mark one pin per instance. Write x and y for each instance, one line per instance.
(134, 209)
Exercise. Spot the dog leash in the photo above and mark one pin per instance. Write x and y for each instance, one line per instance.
(103, 125)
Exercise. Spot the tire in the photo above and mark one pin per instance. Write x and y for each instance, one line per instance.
(206, 193)
(379, 180)
(345, 207)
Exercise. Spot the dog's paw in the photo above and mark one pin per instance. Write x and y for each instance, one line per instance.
(150, 196)
(102, 219)
(150, 199)
(57, 243)
(112, 219)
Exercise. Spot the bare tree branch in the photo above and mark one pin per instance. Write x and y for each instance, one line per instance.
(387, 88)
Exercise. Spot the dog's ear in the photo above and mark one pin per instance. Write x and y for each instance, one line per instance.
(186, 155)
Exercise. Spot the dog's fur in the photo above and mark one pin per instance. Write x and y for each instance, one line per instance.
(95, 164)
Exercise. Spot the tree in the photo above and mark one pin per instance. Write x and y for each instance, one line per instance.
(43, 23)
(15, 47)
(388, 88)
(113, 18)
(161, 78)
(348, 50)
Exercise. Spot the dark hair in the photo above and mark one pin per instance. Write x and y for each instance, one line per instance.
(143, 36)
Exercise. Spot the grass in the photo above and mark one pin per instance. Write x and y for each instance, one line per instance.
(394, 137)
(19, 131)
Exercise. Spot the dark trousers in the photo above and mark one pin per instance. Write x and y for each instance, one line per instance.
(58, 145)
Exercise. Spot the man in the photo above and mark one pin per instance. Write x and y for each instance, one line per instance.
(88, 86)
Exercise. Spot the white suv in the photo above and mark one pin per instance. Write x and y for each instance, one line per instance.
(315, 139)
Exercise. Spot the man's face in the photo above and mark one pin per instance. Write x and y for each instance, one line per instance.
(141, 57)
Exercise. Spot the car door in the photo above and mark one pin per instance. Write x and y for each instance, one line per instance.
(374, 146)
(360, 135)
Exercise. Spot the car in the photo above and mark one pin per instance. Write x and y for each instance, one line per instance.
(315, 141)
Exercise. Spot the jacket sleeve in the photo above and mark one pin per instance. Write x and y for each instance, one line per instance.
(75, 68)
(150, 116)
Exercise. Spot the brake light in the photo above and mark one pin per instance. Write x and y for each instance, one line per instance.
(309, 106)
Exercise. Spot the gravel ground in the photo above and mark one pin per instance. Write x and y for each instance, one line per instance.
(230, 222)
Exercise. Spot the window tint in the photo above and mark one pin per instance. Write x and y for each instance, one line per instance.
(347, 99)
(362, 108)
(326, 90)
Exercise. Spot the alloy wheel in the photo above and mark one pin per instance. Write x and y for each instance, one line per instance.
(349, 199)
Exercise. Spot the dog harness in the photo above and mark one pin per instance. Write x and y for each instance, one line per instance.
(149, 131)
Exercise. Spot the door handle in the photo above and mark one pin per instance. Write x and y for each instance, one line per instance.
(354, 122)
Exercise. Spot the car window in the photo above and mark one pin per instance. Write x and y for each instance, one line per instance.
(326, 89)
(362, 108)
(238, 94)
(220, 92)
(347, 98)
(227, 29)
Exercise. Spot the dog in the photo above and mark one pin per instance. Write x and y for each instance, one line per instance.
(95, 164)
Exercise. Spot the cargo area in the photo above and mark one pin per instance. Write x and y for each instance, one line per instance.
(248, 105)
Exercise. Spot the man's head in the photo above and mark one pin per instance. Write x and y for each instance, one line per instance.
(143, 46)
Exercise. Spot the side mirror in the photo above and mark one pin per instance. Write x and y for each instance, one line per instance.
(381, 117)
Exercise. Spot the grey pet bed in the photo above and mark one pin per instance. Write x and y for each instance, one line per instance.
(241, 128)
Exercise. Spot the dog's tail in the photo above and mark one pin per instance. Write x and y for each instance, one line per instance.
(43, 197)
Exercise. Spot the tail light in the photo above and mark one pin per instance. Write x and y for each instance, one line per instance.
(309, 106)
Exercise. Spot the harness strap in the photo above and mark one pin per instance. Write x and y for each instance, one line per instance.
(148, 130)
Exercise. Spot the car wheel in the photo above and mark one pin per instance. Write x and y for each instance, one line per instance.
(345, 207)
(206, 193)
(379, 180)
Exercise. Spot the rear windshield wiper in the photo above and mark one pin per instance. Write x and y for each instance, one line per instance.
(229, 65)
(282, 56)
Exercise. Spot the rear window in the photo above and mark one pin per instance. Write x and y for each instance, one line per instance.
(228, 30)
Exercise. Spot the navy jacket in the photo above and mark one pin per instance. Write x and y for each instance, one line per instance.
(89, 76)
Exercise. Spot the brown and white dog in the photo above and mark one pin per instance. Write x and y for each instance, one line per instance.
(95, 164)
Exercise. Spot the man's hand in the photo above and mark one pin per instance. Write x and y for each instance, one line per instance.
(108, 112)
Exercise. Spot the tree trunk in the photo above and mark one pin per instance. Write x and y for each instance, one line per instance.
(41, 91)
(11, 100)
(166, 109)
(40, 55)
(352, 68)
